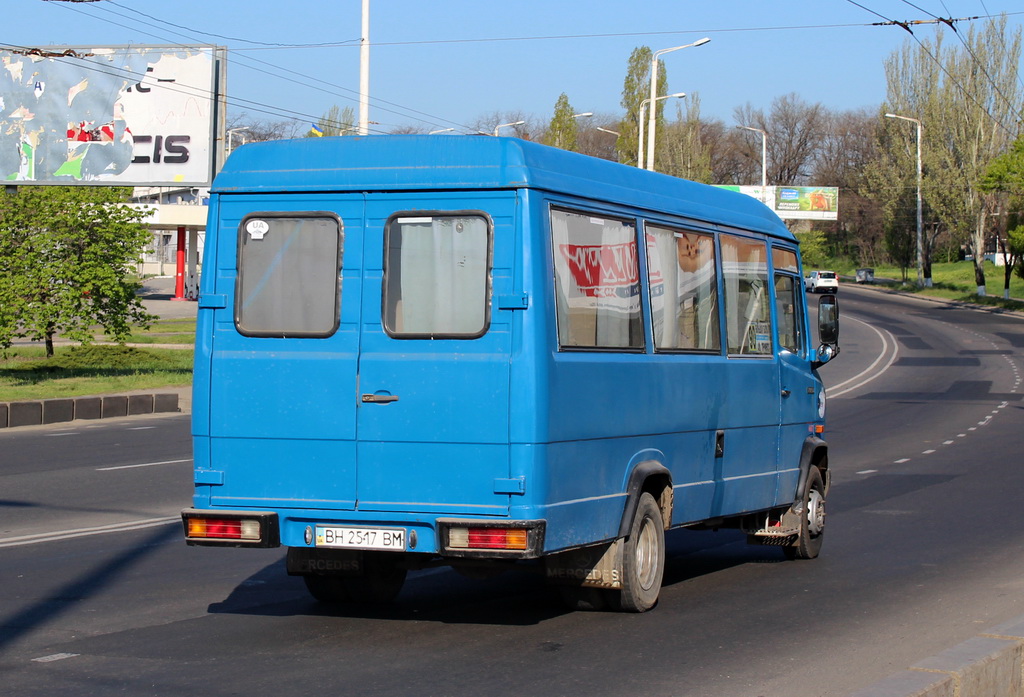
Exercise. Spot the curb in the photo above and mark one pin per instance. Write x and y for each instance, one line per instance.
(51, 411)
(990, 664)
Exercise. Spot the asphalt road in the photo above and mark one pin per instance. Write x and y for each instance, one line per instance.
(923, 550)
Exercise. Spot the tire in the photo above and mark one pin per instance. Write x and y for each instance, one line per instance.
(812, 519)
(381, 581)
(643, 558)
(326, 589)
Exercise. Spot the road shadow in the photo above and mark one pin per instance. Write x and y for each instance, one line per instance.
(518, 597)
(87, 584)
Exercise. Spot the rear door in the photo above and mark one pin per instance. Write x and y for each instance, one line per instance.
(285, 351)
(433, 416)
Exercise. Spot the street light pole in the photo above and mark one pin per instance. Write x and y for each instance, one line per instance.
(364, 72)
(764, 160)
(654, 95)
(920, 234)
(640, 136)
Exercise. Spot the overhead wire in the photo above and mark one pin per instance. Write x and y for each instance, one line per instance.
(963, 90)
(266, 108)
(981, 65)
(435, 120)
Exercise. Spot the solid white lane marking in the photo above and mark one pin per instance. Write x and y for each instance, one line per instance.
(84, 532)
(837, 390)
(142, 464)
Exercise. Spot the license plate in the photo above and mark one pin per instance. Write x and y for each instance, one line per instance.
(360, 538)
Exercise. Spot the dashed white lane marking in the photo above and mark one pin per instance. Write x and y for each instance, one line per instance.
(984, 422)
(55, 657)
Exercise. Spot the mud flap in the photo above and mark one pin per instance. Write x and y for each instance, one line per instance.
(599, 566)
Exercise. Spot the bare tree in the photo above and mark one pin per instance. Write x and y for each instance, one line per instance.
(845, 148)
(258, 130)
(793, 127)
(526, 130)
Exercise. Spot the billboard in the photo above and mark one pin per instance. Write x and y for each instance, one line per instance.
(796, 202)
(133, 116)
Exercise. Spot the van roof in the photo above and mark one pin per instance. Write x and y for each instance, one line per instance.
(439, 162)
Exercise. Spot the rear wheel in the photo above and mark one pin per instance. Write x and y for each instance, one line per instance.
(643, 558)
(326, 589)
(382, 579)
(812, 519)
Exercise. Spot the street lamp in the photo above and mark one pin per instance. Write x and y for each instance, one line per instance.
(231, 132)
(443, 130)
(505, 125)
(640, 120)
(585, 114)
(764, 159)
(654, 95)
(920, 248)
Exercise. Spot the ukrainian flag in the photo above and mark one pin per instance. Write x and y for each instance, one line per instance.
(316, 131)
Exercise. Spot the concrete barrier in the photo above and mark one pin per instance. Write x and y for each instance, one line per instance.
(50, 411)
(990, 664)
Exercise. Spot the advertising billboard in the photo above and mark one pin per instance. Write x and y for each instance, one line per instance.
(134, 116)
(796, 202)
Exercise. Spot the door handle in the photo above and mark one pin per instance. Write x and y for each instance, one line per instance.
(379, 398)
(785, 393)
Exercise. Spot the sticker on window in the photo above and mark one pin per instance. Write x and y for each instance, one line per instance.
(257, 229)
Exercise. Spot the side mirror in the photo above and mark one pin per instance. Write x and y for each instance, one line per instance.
(828, 320)
(828, 330)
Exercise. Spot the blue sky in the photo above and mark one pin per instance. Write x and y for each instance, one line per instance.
(447, 63)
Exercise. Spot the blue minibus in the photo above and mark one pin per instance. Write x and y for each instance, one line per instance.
(484, 352)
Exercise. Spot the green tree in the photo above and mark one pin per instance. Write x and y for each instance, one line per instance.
(1005, 176)
(563, 130)
(67, 257)
(635, 89)
(968, 99)
(686, 153)
(335, 122)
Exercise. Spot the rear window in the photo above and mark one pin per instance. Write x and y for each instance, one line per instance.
(826, 274)
(437, 275)
(288, 281)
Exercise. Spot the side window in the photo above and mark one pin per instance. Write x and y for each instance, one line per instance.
(288, 281)
(684, 290)
(747, 317)
(437, 276)
(597, 282)
(788, 305)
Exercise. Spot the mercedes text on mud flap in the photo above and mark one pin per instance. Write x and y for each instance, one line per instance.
(484, 352)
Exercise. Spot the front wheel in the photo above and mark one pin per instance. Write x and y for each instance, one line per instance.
(812, 519)
(643, 558)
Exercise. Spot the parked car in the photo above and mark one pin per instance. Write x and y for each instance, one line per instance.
(822, 282)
